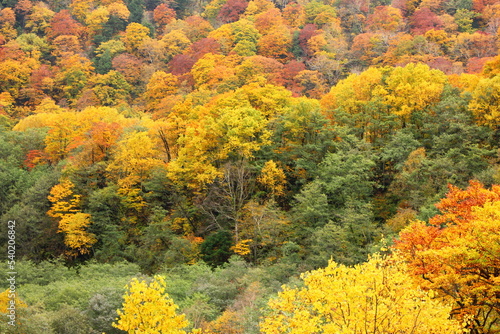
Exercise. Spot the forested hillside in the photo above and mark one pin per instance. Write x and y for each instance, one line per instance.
(231, 146)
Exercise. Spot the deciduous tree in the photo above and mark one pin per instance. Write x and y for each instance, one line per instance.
(148, 309)
(377, 296)
(455, 254)
(72, 222)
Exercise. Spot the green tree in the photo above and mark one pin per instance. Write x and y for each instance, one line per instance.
(216, 249)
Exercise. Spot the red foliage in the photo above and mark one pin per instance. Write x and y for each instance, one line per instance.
(182, 64)
(288, 74)
(232, 10)
(39, 84)
(443, 64)
(305, 34)
(475, 64)
(12, 51)
(424, 20)
(407, 7)
(34, 158)
(457, 207)
(271, 67)
(128, 65)
(63, 24)
(204, 46)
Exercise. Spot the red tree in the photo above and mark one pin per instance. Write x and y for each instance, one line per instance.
(305, 34)
(204, 46)
(63, 24)
(424, 20)
(232, 10)
(181, 64)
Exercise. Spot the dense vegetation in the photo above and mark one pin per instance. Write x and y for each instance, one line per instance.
(231, 146)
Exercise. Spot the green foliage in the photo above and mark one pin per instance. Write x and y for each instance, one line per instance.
(102, 308)
(69, 320)
(216, 249)
(136, 8)
(40, 285)
(215, 147)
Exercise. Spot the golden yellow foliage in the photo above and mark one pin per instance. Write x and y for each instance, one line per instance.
(73, 223)
(75, 235)
(466, 82)
(413, 87)
(273, 178)
(375, 297)
(485, 102)
(135, 35)
(148, 309)
(64, 202)
(5, 298)
(119, 9)
(242, 247)
(134, 158)
(97, 18)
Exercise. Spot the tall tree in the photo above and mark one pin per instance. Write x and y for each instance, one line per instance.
(455, 254)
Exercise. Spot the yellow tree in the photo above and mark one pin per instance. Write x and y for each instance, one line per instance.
(64, 128)
(362, 97)
(413, 88)
(193, 168)
(7, 21)
(375, 297)
(273, 178)
(6, 298)
(73, 75)
(160, 86)
(134, 159)
(485, 102)
(276, 44)
(14, 75)
(73, 222)
(119, 10)
(213, 71)
(148, 309)
(96, 19)
(240, 132)
(135, 35)
(175, 42)
(39, 19)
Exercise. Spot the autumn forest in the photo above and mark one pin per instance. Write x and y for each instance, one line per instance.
(246, 167)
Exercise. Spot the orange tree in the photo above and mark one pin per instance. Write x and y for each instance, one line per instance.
(457, 254)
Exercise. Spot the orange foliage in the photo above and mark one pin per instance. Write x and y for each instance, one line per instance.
(458, 205)
(456, 254)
